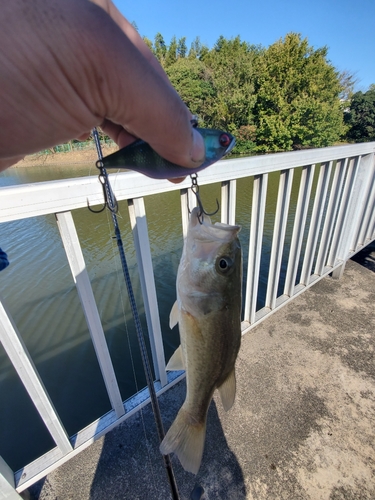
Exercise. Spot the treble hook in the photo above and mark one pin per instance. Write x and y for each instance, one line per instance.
(110, 201)
(202, 211)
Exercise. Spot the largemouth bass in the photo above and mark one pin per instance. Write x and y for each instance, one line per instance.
(208, 311)
(139, 156)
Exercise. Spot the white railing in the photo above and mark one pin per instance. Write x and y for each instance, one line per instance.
(332, 222)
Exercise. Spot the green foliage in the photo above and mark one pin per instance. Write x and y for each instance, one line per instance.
(361, 116)
(287, 96)
(297, 97)
(197, 50)
(231, 63)
(181, 47)
(160, 48)
(171, 53)
(245, 139)
(193, 81)
(149, 44)
(347, 82)
(217, 85)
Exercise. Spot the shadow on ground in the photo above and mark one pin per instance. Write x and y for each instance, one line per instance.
(301, 427)
(366, 257)
(131, 466)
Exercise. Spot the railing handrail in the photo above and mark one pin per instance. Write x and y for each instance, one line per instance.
(41, 198)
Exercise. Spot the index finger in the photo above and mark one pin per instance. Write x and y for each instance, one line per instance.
(138, 96)
(132, 34)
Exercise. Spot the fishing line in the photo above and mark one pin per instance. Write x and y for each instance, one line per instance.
(111, 203)
(129, 345)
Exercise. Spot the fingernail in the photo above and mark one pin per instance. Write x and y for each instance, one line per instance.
(198, 152)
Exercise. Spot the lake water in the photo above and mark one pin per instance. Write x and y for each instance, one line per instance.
(39, 291)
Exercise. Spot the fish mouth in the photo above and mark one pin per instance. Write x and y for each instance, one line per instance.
(207, 231)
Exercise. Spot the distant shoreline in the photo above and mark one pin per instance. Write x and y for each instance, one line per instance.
(68, 158)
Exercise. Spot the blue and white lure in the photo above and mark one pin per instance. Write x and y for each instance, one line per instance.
(139, 156)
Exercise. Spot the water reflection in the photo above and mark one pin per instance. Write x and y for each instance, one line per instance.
(25, 175)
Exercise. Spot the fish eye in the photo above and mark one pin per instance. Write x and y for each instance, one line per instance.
(224, 140)
(223, 264)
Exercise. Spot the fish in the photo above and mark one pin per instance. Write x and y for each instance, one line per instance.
(139, 156)
(208, 312)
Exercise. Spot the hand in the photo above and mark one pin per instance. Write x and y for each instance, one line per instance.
(70, 65)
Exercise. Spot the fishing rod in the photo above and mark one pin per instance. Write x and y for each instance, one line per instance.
(110, 202)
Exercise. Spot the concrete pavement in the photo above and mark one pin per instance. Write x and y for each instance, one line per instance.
(302, 426)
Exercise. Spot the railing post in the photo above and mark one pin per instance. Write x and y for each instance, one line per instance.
(81, 278)
(228, 202)
(255, 245)
(23, 364)
(281, 218)
(370, 216)
(367, 211)
(7, 485)
(316, 218)
(298, 228)
(351, 172)
(330, 216)
(188, 202)
(355, 206)
(146, 273)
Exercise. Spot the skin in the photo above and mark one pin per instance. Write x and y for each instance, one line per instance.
(209, 318)
(70, 65)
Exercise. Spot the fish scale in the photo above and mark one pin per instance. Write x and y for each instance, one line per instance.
(208, 312)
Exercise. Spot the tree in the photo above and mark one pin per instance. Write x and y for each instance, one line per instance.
(220, 44)
(171, 53)
(193, 81)
(181, 47)
(297, 97)
(232, 65)
(197, 50)
(361, 116)
(149, 44)
(347, 82)
(287, 96)
(160, 49)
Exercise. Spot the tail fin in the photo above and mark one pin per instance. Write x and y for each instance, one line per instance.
(186, 439)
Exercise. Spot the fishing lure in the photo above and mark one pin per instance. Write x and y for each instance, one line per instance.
(139, 156)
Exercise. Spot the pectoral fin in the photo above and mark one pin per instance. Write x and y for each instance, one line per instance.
(228, 391)
(174, 316)
(176, 362)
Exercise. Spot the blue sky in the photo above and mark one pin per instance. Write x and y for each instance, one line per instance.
(346, 27)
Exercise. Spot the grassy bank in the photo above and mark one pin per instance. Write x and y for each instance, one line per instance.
(67, 158)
